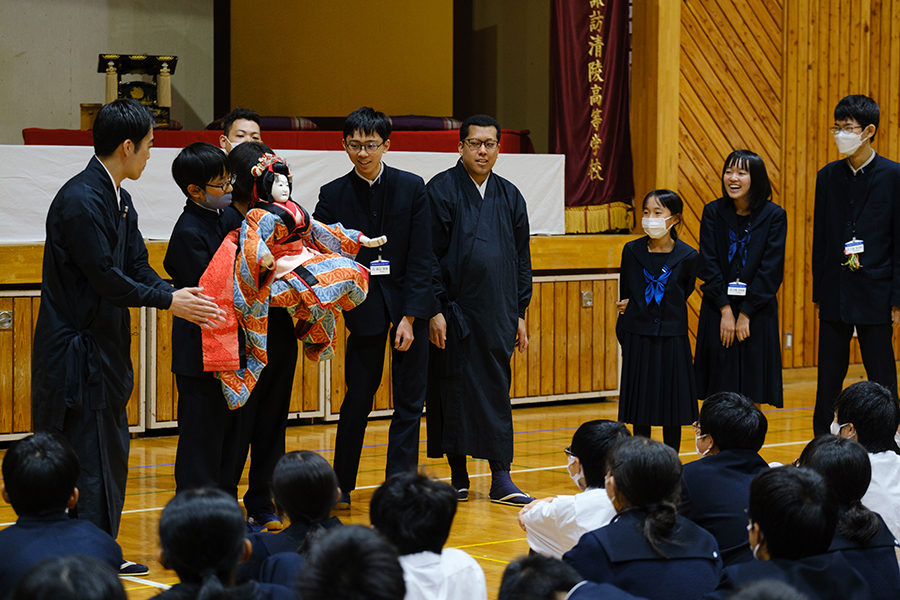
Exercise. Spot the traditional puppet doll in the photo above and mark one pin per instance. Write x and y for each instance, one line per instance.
(285, 259)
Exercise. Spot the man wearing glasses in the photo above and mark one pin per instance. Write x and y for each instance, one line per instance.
(379, 200)
(856, 256)
(483, 286)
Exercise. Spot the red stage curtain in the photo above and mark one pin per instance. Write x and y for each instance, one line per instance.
(590, 47)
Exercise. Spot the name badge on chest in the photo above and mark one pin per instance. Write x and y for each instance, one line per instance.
(737, 288)
(854, 246)
(380, 267)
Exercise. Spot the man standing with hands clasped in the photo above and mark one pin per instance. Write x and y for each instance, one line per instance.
(95, 267)
(483, 286)
(856, 256)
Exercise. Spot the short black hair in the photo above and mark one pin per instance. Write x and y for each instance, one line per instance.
(304, 486)
(367, 121)
(874, 412)
(198, 163)
(202, 536)
(860, 108)
(648, 474)
(72, 577)
(478, 121)
(237, 114)
(670, 200)
(767, 589)
(591, 444)
(795, 511)
(537, 577)
(240, 161)
(40, 473)
(733, 421)
(414, 512)
(351, 563)
(118, 121)
(760, 187)
(845, 465)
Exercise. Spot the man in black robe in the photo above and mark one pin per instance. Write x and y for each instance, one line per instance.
(95, 267)
(483, 285)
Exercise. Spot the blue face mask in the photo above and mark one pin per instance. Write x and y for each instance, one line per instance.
(217, 202)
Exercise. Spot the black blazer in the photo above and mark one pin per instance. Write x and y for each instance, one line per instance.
(714, 494)
(820, 577)
(871, 198)
(406, 221)
(619, 554)
(669, 318)
(764, 270)
(877, 563)
(588, 590)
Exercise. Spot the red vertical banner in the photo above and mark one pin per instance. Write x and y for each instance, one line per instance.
(589, 123)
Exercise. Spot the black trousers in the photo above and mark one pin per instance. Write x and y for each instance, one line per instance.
(264, 416)
(208, 430)
(834, 359)
(363, 368)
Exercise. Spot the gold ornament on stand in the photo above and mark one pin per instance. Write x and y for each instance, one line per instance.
(155, 94)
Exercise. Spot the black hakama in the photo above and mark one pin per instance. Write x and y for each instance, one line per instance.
(484, 286)
(756, 248)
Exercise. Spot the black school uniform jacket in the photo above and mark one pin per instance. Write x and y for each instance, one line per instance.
(396, 206)
(871, 199)
(669, 318)
(876, 563)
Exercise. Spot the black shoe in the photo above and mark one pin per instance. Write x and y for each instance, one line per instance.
(265, 520)
(462, 495)
(344, 502)
(131, 569)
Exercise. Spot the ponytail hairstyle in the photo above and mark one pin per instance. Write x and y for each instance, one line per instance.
(672, 201)
(845, 465)
(202, 535)
(305, 489)
(648, 475)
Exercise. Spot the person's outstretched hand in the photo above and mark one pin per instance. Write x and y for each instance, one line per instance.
(191, 304)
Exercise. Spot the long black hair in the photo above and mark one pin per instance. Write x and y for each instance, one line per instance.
(760, 187)
(648, 474)
(845, 465)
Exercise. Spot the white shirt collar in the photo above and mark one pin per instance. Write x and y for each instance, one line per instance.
(371, 182)
(115, 187)
(482, 189)
(862, 166)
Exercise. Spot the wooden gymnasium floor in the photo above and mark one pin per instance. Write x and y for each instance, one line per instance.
(486, 531)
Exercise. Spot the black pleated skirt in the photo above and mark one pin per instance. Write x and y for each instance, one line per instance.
(657, 381)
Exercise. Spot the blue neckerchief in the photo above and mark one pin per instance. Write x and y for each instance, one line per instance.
(656, 287)
(735, 241)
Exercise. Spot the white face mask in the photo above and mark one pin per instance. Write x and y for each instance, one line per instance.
(848, 142)
(755, 550)
(835, 428)
(217, 202)
(578, 478)
(697, 447)
(897, 439)
(655, 228)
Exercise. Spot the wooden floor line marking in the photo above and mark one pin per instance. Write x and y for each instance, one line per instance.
(491, 543)
(146, 582)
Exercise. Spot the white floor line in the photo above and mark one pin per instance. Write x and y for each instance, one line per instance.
(156, 584)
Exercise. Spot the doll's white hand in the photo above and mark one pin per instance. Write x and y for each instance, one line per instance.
(372, 242)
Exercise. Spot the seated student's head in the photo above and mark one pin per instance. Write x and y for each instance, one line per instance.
(200, 172)
(767, 589)
(366, 139)
(729, 421)
(203, 537)
(868, 413)
(414, 512)
(846, 468)
(240, 125)
(39, 475)
(792, 514)
(587, 454)
(240, 161)
(645, 475)
(537, 577)
(304, 486)
(352, 563)
(123, 130)
(73, 577)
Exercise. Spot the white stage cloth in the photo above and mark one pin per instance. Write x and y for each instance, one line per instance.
(30, 176)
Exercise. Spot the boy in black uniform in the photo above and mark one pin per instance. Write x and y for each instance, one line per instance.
(207, 452)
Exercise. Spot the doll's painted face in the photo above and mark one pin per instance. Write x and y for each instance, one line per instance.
(281, 189)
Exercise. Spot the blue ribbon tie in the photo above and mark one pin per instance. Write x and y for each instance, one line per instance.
(656, 287)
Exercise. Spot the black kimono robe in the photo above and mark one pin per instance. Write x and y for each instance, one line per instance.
(483, 285)
(751, 367)
(95, 267)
